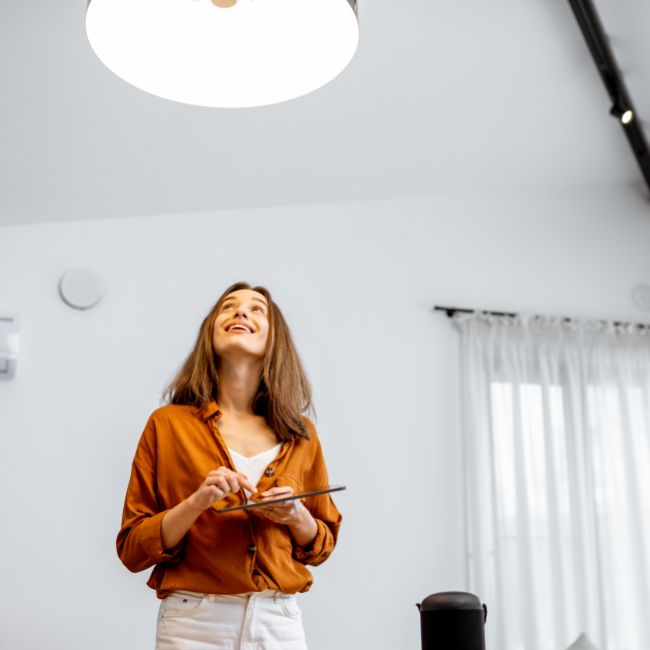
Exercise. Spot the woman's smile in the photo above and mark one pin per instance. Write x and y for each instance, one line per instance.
(239, 327)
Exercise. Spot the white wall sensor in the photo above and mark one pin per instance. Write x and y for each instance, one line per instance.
(9, 339)
(81, 288)
(641, 296)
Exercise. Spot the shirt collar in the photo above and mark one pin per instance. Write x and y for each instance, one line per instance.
(209, 410)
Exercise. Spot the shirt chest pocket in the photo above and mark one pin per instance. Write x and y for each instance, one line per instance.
(289, 480)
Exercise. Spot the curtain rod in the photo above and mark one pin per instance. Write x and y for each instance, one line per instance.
(450, 311)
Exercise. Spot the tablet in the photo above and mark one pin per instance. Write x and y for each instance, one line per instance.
(293, 497)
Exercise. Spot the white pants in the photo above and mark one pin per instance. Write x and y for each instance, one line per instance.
(267, 620)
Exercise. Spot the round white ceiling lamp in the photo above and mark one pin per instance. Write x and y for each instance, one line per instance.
(81, 288)
(225, 53)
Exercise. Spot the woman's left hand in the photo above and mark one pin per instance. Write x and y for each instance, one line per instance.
(293, 514)
(289, 513)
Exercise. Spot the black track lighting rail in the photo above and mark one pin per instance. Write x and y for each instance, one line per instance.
(598, 43)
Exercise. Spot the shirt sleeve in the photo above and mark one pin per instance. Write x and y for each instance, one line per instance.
(322, 507)
(139, 542)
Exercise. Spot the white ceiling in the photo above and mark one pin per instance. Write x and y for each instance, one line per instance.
(443, 96)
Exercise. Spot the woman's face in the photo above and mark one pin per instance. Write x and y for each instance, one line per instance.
(241, 325)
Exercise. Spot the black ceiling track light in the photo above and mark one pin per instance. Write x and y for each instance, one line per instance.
(622, 107)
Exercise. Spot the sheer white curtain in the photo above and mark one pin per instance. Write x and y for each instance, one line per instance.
(556, 420)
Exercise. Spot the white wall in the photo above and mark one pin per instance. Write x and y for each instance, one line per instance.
(357, 283)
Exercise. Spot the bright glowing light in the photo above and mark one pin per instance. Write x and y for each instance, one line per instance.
(228, 53)
(627, 117)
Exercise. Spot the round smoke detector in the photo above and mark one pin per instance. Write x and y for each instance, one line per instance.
(641, 296)
(81, 288)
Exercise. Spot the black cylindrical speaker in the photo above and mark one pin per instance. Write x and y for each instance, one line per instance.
(452, 620)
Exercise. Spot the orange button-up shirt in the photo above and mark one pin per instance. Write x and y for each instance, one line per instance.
(222, 553)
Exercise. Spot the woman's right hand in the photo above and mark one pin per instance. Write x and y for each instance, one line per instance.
(217, 484)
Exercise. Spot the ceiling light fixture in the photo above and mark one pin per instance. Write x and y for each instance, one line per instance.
(623, 108)
(224, 53)
(625, 115)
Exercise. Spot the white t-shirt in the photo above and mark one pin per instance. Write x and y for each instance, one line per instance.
(253, 466)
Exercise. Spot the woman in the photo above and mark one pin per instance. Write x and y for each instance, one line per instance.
(233, 429)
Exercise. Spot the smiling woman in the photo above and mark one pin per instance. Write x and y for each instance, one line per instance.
(282, 393)
(234, 428)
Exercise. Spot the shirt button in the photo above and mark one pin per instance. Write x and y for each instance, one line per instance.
(252, 548)
(269, 471)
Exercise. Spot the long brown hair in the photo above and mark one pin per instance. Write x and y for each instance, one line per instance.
(284, 393)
